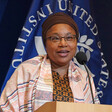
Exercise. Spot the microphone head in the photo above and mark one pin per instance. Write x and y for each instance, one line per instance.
(81, 57)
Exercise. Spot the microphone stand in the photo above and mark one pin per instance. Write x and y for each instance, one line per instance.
(89, 83)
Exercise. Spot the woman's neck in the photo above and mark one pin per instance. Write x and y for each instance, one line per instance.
(62, 70)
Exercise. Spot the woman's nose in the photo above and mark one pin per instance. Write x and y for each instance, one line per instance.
(63, 42)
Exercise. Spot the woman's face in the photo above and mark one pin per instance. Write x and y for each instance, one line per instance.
(61, 52)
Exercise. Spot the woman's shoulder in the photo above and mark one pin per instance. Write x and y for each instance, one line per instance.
(29, 67)
(32, 62)
(35, 60)
(27, 71)
(80, 70)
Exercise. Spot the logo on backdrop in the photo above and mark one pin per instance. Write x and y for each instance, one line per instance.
(86, 43)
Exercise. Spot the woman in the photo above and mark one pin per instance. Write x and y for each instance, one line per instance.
(52, 77)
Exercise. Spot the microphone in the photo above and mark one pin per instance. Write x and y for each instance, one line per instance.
(82, 59)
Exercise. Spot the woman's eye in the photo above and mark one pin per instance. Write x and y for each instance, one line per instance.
(55, 38)
(69, 38)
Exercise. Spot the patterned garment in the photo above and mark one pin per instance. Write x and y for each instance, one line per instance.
(61, 88)
(31, 86)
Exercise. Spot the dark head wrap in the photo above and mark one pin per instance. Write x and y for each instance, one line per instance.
(59, 17)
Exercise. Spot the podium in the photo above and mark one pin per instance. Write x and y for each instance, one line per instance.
(73, 107)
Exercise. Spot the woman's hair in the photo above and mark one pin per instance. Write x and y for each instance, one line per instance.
(57, 18)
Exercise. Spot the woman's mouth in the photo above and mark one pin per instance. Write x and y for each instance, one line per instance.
(63, 53)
